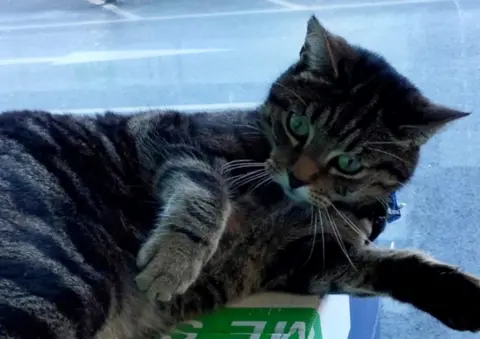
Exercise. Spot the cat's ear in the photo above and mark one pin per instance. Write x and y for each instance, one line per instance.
(323, 50)
(428, 121)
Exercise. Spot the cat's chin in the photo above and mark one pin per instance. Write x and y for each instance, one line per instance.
(294, 196)
(301, 196)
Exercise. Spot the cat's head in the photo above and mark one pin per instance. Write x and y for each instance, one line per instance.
(344, 125)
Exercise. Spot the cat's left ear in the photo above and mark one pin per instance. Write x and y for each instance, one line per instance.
(322, 50)
(428, 121)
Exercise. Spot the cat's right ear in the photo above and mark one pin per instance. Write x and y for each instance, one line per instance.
(322, 51)
(429, 120)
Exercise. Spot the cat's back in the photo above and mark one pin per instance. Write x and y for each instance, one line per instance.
(43, 135)
(65, 169)
(65, 221)
(32, 145)
(44, 157)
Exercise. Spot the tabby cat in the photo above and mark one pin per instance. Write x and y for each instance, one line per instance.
(119, 226)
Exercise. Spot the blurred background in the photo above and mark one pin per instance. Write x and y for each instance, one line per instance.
(86, 56)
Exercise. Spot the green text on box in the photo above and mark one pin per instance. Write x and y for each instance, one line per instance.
(253, 323)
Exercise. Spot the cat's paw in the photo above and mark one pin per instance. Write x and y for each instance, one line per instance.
(170, 264)
(459, 306)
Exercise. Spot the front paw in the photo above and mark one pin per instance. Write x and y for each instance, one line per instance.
(170, 263)
(459, 306)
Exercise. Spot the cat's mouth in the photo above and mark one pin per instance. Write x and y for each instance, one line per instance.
(299, 195)
(302, 196)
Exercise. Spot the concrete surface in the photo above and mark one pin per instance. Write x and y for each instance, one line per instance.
(72, 54)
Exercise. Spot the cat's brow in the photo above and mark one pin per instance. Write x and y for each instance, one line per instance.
(292, 92)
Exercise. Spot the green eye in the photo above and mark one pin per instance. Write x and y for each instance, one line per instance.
(348, 164)
(299, 125)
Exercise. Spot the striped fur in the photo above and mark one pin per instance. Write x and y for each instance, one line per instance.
(86, 200)
(121, 226)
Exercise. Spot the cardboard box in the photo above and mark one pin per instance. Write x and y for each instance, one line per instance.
(273, 316)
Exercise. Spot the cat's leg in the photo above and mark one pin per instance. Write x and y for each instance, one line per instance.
(451, 296)
(195, 209)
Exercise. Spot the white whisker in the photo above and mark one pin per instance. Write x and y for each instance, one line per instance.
(351, 224)
(339, 239)
(248, 178)
(238, 166)
(324, 258)
(254, 128)
(239, 161)
(231, 180)
(261, 183)
(390, 154)
(383, 202)
(313, 224)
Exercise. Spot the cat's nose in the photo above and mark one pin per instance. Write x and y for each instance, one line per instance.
(294, 182)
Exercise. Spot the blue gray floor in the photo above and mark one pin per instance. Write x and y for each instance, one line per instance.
(74, 55)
